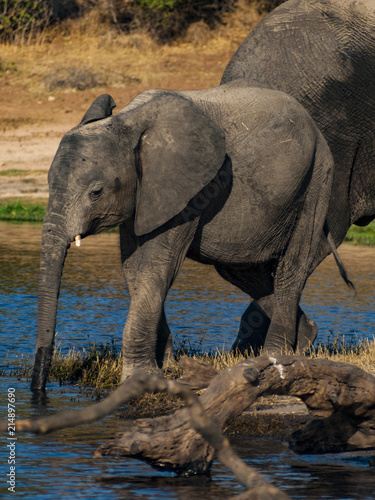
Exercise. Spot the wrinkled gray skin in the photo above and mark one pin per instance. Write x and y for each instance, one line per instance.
(321, 52)
(235, 177)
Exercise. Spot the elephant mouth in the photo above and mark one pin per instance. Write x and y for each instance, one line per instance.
(100, 224)
(96, 226)
(93, 227)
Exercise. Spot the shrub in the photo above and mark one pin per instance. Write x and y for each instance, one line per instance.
(21, 19)
(73, 77)
(361, 235)
(166, 20)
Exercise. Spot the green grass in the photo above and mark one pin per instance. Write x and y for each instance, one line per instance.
(158, 4)
(12, 171)
(7, 67)
(17, 211)
(361, 235)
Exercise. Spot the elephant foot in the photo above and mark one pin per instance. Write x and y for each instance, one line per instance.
(129, 369)
(253, 331)
(307, 332)
(169, 363)
(168, 359)
(253, 345)
(277, 342)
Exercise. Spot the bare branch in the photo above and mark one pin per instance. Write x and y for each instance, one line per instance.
(122, 394)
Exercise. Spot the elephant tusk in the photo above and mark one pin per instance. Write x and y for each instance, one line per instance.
(78, 240)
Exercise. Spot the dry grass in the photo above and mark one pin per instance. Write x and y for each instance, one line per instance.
(100, 366)
(97, 371)
(111, 58)
(361, 354)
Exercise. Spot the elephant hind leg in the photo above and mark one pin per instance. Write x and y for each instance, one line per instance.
(257, 282)
(256, 320)
(253, 330)
(255, 323)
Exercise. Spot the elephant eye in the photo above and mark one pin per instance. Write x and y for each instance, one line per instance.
(95, 193)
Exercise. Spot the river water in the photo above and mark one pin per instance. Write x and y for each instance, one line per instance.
(203, 312)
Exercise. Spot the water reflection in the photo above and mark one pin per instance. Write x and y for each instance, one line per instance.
(319, 476)
(202, 309)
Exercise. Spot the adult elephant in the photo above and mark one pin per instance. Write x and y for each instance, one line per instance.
(235, 177)
(321, 52)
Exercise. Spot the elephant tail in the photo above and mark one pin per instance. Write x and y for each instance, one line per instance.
(337, 257)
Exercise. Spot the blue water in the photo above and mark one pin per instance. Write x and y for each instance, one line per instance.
(203, 311)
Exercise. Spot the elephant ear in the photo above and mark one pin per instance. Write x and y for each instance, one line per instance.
(179, 153)
(101, 108)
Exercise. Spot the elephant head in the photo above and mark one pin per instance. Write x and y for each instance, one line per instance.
(142, 165)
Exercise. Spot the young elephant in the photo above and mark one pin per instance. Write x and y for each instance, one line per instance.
(234, 176)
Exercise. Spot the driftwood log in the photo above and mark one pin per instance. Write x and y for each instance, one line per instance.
(340, 396)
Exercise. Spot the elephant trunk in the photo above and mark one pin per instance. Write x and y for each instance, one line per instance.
(53, 252)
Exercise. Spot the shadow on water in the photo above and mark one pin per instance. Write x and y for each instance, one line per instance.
(204, 311)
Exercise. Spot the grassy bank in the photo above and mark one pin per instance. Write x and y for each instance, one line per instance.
(97, 371)
(100, 366)
(23, 212)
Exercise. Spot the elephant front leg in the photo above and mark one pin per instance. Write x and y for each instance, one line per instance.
(150, 266)
(140, 347)
(160, 343)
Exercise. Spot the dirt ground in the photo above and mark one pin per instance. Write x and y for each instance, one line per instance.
(45, 88)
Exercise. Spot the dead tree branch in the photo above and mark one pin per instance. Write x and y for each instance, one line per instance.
(196, 374)
(340, 396)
